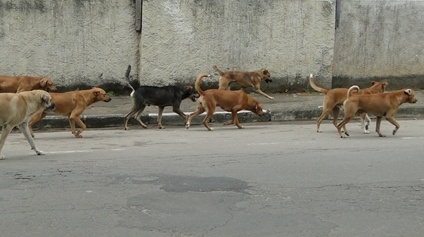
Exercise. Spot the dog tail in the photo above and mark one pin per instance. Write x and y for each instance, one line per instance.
(218, 70)
(315, 87)
(132, 84)
(199, 82)
(353, 89)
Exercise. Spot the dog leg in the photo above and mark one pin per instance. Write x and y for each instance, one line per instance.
(342, 124)
(198, 111)
(127, 117)
(377, 126)
(364, 127)
(160, 111)
(205, 123)
(136, 112)
(138, 115)
(393, 121)
(176, 109)
(77, 121)
(35, 119)
(4, 133)
(258, 90)
(323, 115)
(25, 130)
(235, 119)
(223, 83)
(336, 111)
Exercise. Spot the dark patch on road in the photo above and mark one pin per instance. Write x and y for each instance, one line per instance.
(174, 183)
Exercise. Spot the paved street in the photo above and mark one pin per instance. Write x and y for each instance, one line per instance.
(269, 179)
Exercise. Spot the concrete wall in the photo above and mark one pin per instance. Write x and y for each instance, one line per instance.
(79, 43)
(290, 38)
(83, 43)
(90, 42)
(380, 40)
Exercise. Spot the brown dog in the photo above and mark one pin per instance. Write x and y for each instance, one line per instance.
(244, 79)
(13, 84)
(334, 98)
(382, 104)
(17, 108)
(231, 101)
(72, 104)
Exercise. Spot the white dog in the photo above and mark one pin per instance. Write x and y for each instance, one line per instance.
(16, 109)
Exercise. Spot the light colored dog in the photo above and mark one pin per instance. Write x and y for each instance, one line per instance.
(244, 79)
(72, 104)
(13, 84)
(381, 105)
(16, 109)
(231, 101)
(334, 98)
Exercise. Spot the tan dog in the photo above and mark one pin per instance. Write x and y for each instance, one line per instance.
(244, 79)
(334, 98)
(231, 101)
(16, 109)
(72, 104)
(382, 104)
(13, 84)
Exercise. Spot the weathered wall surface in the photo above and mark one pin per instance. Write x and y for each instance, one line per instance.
(76, 42)
(380, 40)
(90, 42)
(291, 38)
(83, 43)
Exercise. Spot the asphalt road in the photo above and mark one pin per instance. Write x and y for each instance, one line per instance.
(269, 179)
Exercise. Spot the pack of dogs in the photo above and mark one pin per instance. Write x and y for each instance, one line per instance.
(25, 100)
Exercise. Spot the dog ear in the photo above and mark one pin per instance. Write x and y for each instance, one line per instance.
(43, 82)
(407, 91)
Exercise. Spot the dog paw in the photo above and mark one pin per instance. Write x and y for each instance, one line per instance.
(2, 157)
(366, 132)
(39, 152)
(271, 98)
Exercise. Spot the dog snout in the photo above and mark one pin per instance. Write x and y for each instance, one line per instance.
(51, 106)
(51, 88)
(107, 99)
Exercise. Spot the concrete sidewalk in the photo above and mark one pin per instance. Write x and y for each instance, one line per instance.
(284, 107)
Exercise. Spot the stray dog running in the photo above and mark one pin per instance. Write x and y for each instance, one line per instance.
(231, 101)
(16, 109)
(72, 104)
(334, 98)
(13, 84)
(382, 104)
(245, 79)
(158, 96)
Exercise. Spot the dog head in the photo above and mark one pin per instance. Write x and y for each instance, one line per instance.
(100, 95)
(266, 76)
(257, 109)
(45, 99)
(190, 92)
(47, 84)
(410, 96)
(378, 87)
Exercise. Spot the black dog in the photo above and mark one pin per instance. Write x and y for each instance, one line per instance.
(158, 96)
